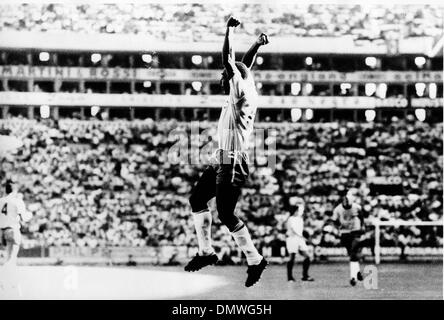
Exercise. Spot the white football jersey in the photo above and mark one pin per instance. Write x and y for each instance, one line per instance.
(237, 117)
(295, 224)
(11, 208)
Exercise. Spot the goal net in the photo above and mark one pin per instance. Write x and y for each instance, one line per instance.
(411, 238)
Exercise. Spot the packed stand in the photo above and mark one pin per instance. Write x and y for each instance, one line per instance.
(202, 22)
(121, 183)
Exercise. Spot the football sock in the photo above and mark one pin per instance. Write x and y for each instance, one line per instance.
(290, 264)
(305, 267)
(202, 224)
(354, 269)
(243, 240)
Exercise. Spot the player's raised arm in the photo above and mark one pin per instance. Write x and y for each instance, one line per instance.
(250, 56)
(228, 56)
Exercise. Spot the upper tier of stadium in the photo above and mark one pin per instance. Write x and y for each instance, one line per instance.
(204, 24)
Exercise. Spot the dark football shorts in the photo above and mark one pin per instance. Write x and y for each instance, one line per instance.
(231, 168)
(351, 241)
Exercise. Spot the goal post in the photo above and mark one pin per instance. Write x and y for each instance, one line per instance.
(397, 223)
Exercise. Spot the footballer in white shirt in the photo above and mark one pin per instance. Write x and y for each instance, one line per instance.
(228, 172)
(12, 212)
(296, 243)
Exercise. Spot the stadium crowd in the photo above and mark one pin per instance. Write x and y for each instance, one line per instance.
(202, 22)
(121, 183)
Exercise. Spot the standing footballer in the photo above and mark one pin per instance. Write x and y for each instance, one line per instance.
(296, 244)
(349, 217)
(225, 177)
(12, 209)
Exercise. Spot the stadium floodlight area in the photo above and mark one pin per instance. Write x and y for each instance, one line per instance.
(397, 223)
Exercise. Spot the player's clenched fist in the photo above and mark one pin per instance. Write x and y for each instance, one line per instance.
(233, 22)
(263, 39)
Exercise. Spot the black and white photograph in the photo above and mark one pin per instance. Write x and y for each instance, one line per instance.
(190, 150)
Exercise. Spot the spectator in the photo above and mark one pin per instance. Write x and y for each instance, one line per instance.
(110, 183)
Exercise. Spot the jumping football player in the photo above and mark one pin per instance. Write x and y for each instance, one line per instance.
(12, 209)
(225, 177)
(349, 217)
(296, 244)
